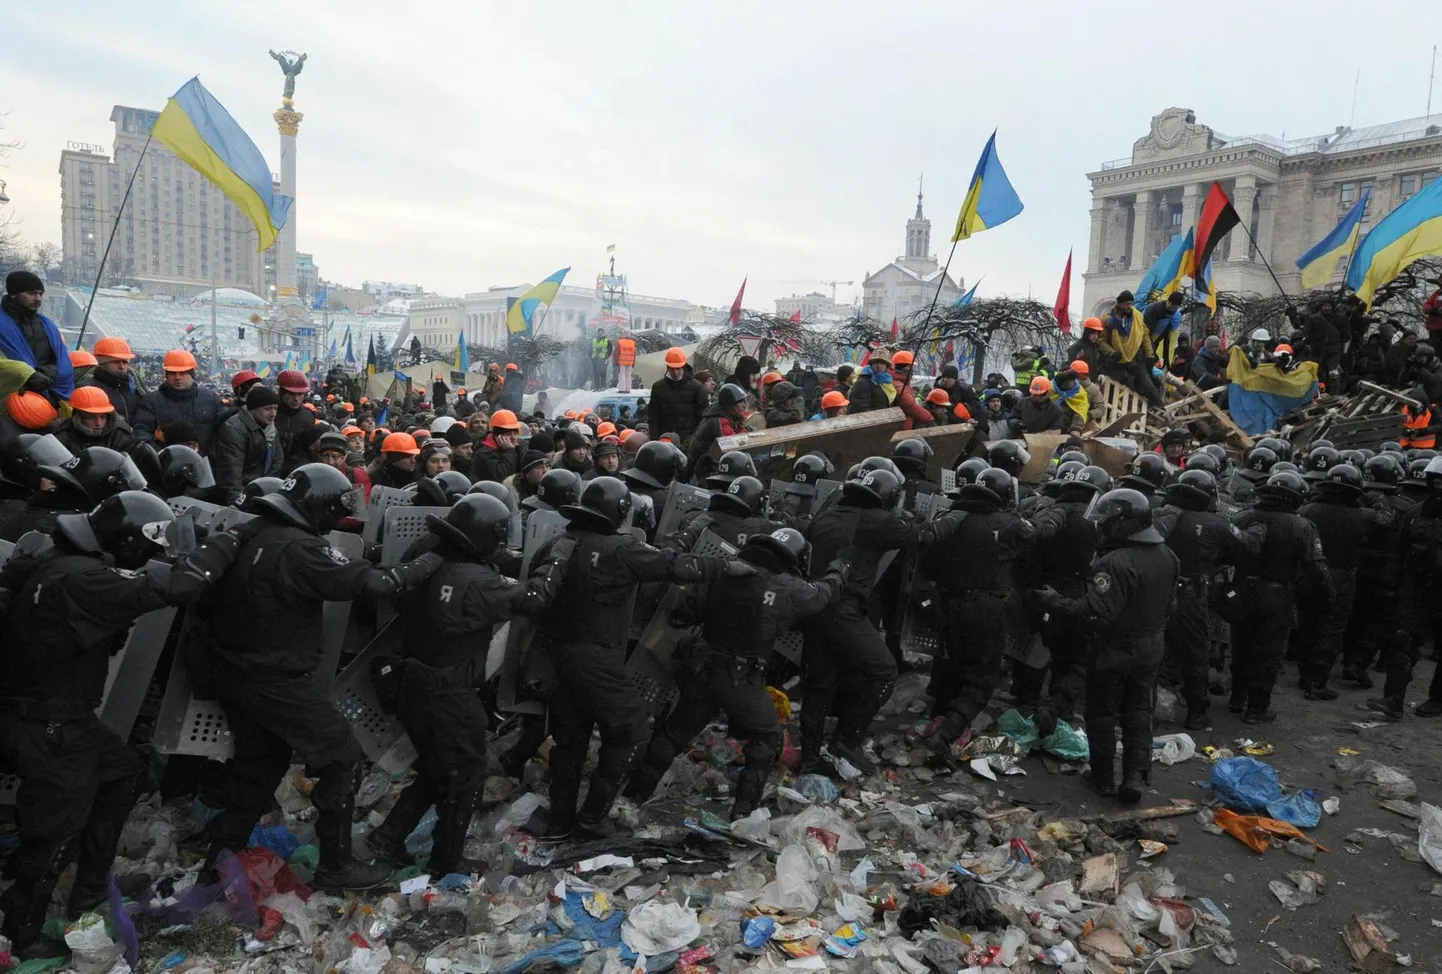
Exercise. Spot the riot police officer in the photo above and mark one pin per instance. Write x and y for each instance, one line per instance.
(65, 613)
(86, 479)
(733, 514)
(1377, 568)
(276, 700)
(21, 458)
(795, 502)
(1256, 468)
(1203, 542)
(911, 456)
(1148, 474)
(556, 489)
(1418, 609)
(725, 668)
(183, 472)
(585, 578)
(446, 626)
(657, 465)
(1128, 596)
(1343, 525)
(1291, 554)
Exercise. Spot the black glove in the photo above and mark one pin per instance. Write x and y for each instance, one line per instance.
(736, 568)
(38, 382)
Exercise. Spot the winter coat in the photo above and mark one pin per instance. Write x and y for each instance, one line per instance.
(917, 415)
(714, 425)
(241, 453)
(676, 406)
(288, 426)
(1032, 416)
(491, 462)
(117, 435)
(119, 389)
(1208, 368)
(784, 405)
(199, 407)
(869, 391)
(512, 393)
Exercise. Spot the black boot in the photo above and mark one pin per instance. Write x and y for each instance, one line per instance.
(453, 818)
(1102, 776)
(1358, 676)
(1259, 708)
(1388, 707)
(593, 818)
(1133, 784)
(1199, 714)
(388, 840)
(562, 820)
(339, 868)
(27, 901)
(1429, 708)
(1238, 702)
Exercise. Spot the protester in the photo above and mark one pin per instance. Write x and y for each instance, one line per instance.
(179, 399)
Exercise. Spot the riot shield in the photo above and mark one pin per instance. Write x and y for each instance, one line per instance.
(132, 667)
(354, 696)
(203, 512)
(381, 499)
(681, 499)
(541, 527)
(401, 527)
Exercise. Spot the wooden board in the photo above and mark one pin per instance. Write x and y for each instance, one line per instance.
(1041, 446)
(846, 440)
(949, 444)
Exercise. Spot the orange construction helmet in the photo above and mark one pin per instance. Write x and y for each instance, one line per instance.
(91, 399)
(352, 431)
(902, 360)
(310, 406)
(1283, 348)
(675, 358)
(960, 411)
(292, 380)
(938, 397)
(505, 420)
(400, 443)
(1040, 386)
(81, 358)
(512, 367)
(626, 434)
(1092, 324)
(179, 360)
(330, 397)
(770, 377)
(347, 407)
(1080, 367)
(605, 429)
(30, 409)
(833, 399)
(569, 414)
(113, 348)
(459, 392)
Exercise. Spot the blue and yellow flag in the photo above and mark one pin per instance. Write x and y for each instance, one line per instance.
(1258, 397)
(968, 297)
(1320, 263)
(1412, 230)
(304, 365)
(199, 130)
(1204, 288)
(264, 370)
(518, 319)
(1164, 276)
(289, 361)
(463, 354)
(990, 201)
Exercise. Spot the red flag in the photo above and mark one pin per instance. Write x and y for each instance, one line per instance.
(796, 317)
(736, 305)
(1062, 309)
(895, 329)
(1215, 221)
(950, 353)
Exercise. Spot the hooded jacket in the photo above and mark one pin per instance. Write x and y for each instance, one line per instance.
(676, 406)
(873, 389)
(1033, 416)
(784, 405)
(117, 435)
(199, 407)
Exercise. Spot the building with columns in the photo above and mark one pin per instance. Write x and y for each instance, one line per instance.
(908, 284)
(1289, 194)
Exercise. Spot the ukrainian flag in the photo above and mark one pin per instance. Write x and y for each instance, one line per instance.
(1204, 288)
(199, 130)
(463, 354)
(1412, 230)
(990, 201)
(305, 362)
(518, 319)
(264, 370)
(1164, 276)
(1318, 264)
(968, 297)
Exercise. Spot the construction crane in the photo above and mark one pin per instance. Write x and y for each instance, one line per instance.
(832, 284)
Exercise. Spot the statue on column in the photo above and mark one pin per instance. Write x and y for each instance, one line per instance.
(290, 66)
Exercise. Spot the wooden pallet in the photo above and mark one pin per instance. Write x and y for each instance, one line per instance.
(1198, 406)
(1366, 419)
(1119, 402)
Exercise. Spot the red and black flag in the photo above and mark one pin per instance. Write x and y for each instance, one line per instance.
(1216, 220)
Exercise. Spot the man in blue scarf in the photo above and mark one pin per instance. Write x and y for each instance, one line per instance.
(28, 336)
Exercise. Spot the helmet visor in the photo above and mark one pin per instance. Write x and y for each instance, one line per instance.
(200, 475)
(48, 451)
(353, 503)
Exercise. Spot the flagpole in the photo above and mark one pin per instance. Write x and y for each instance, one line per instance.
(1248, 230)
(940, 283)
(80, 339)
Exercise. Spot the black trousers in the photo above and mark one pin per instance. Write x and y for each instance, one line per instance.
(1323, 625)
(1189, 642)
(975, 635)
(1068, 644)
(594, 692)
(1374, 619)
(1419, 617)
(78, 783)
(736, 686)
(1119, 688)
(845, 662)
(1259, 641)
(272, 720)
(1136, 375)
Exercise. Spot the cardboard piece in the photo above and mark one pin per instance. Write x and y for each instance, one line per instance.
(949, 444)
(1099, 874)
(846, 440)
(1367, 946)
(1041, 446)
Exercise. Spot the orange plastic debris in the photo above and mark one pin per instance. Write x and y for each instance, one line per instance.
(1255, 830)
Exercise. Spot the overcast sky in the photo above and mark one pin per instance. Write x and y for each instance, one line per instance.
(461, 145)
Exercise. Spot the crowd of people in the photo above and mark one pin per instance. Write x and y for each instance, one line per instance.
(1079, 595)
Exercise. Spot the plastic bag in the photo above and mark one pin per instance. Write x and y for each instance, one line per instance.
(817, 787)
(1067, 743)
(815, 816)
(1255, 831)
(1391, 782)
(276, 838)
(1173, 748)
(657, 927)
(1299, 809)
(756, 826)
(1429, 837)
(1020, 729)
(1246, 783)
(794, 889)
(520, 812)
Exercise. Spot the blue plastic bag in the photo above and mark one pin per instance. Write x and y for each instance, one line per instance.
(276, 838)
(1301, 809)
(1246, 784)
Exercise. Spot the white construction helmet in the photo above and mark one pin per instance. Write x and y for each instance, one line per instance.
(442, 423)
(1261, 335)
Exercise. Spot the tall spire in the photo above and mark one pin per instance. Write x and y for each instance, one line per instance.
(919, 180)
(918, 232)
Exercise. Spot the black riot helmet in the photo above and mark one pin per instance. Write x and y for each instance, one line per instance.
(477, 524)
(129, 526)
(603, 505)
(1416, 471)
(1204, 461)
(559, 486)
(1432, 475)
(1318, 461)
(259, 487)
(731, 465)
(1009, 455)
(1147, 472)
(1194, 490)
(22, 457)
(880, 463)
(1391, 446)
(993, 486)
(490, 487)
(1073, 456)
(1285, 488)
(1383, 470)
(1076, 482)
(181, 469)
(788, 544)
(912, 455)
(1010, 397)
(315, 497)
(872, 488)
(442, 490)
(811, 467)
(1342, 482)
(968, 471)
(1218, 451)
(1123, 514)
(1316, 444)
(1276, 444)
(742, 496)
(1286, 466)
(730, 396)
(1260, 459)
(1355, 457)
(97, 472)
(657, 464)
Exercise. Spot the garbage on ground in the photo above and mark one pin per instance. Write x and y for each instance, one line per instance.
(1367, 946)
(1429, 836)
(1296, 962)
(1246, 783)
(1172, 749)
(1389, 782)
(1257, 831)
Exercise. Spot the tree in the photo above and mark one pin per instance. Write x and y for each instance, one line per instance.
(987, 330)
(768, 337)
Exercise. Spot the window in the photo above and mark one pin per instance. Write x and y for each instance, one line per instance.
(1348, 194)
(1427, 178)
(1409, 185)
(1174, 215)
